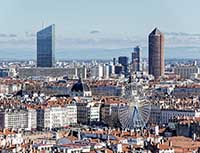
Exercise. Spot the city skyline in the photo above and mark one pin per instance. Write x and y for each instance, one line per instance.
(88, 53)
(100, 76)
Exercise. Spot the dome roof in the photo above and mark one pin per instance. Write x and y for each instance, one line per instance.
(80, 87)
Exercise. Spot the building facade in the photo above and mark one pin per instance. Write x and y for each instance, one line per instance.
(109, 114)
(97, 72)
(56, 117)
(88, 113)
(163, 116)
(107, 90)
(186, 71)
(118, 69)
(123, 60)
(70, 72)
(18, 118)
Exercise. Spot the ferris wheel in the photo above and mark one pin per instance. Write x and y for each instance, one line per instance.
(135, 113)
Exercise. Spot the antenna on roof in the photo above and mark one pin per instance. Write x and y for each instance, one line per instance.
(42, 24)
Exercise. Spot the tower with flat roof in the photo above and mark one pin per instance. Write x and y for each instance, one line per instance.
(136, 58)
(123, 60)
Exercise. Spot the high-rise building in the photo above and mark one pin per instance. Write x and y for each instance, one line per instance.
(114, 61)
(136, 58)
(156, 53)
(118, 69)
(106, 72)
(123, 60)
(96, 71)
(46, 47)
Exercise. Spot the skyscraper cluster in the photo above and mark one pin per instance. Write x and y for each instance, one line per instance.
(46, 52)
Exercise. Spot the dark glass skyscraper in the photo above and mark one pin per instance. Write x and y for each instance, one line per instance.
(123, 60)
(156, 53)
(136, 58)
(46, 47)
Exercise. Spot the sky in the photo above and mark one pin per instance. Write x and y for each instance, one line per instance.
(97, 23)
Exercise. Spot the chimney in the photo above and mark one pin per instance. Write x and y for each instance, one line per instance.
(132, 132)
(194, 137)
(30, 146)
(161, 141)
(121, 133)
(79, 134)
(135, 133)
(158, 146)
(12, 130)
(170, 143)
(118, 129)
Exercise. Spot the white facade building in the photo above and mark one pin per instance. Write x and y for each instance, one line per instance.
(56, 117)
(18, 118)
(106, 71)
(112, 69)
(97, 72)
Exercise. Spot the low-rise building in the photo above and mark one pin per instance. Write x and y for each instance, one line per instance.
(18, 118)
(56, 116)
(10, 138)
(167, 114)
(107, 90)
(53, 72)
(88, 113)
(9, 88)
(155, 114)
(163, 116)
(186, 71)
(110, 111)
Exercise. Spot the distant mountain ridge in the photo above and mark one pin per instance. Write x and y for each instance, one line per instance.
(98, 53)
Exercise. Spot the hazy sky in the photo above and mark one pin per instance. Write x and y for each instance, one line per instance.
(78, 17)
(98, 18)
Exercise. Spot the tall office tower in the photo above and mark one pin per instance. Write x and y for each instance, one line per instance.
(123, 60)
(46, 47)
(156, 53)
(118, 69)
(136, 58)
(114, 61)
